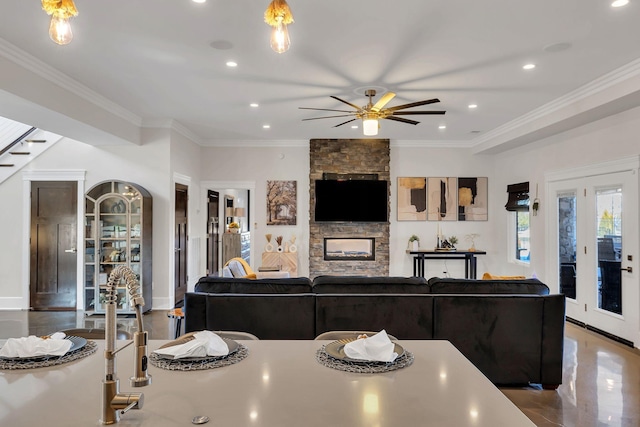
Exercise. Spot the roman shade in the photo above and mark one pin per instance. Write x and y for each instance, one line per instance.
(518, 197)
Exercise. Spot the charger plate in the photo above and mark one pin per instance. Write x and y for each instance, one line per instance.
(363, 367)
(76, 344)
(237, 353)
(89, 347)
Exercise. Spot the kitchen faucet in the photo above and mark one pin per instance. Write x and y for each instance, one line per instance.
(115, 403)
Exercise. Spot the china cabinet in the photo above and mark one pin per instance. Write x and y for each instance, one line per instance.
(118, 231)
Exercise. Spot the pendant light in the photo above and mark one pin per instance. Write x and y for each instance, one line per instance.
(60, 27)
(278, 15)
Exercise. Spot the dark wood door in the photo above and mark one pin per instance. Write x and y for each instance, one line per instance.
(53, 246)
(213, 232)
(181, 240)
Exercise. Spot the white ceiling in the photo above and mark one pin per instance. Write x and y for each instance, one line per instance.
(155, 59)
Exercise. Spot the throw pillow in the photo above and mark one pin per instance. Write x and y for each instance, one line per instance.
(237, 269)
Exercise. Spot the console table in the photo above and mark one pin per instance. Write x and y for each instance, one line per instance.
(469, 258)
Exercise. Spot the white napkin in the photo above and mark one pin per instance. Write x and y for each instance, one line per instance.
(204, 343)
(33, 346)
(377, 348)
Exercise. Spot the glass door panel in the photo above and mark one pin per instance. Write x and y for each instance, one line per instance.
(609, 229)
(567, 242)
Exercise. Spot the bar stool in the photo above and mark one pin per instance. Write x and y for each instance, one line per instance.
(177, 314)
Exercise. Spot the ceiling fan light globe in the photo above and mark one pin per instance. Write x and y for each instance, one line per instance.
(369, 127)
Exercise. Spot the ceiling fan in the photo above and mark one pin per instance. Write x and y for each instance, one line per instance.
(371, 113)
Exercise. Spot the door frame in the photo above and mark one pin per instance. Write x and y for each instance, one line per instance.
(52, 175)
(553, 179)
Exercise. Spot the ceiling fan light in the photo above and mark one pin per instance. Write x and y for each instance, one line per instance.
(370, 126)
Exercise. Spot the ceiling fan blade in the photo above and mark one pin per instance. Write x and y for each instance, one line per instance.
(329, 117)
(324, 109)
(407, 113)
(414, 104)
(400, 119)
(346, 102)
(344, 123)
(383, 101)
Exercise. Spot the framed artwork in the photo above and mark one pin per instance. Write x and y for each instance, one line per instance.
(282, 202)
(473, 199)
(442, 201)
(412, 198)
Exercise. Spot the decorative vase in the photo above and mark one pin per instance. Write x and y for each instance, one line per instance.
(415, 245)
(268, 247)
(293, 248)
(280, 249)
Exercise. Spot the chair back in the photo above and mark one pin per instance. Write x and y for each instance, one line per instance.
(98, 334)
(236, 335)
(339, 335)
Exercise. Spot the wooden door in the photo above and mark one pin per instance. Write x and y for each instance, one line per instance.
(181, 238)
(53, 246)
(213, 232)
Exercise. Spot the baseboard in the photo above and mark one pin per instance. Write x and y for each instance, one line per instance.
(601, 332)
(11, 303)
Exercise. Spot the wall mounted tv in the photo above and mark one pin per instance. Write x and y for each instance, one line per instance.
(351, 201)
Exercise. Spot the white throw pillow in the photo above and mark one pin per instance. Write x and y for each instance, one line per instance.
(237, 269)
(226, 272)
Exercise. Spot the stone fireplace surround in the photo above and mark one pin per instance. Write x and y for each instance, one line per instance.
(347, 156)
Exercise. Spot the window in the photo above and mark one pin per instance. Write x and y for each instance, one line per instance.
(519, 236)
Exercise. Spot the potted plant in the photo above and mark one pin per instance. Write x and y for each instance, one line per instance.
(453, 240)
(234, 227)
(414, 242)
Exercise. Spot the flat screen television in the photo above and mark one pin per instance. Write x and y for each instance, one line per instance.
(351, 201)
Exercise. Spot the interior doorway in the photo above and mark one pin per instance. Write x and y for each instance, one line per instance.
(53, 251)
(595, 234)
(180, 242)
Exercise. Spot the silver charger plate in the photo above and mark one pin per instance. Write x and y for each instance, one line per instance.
(233, 347)
(76, 344)
(335, 349)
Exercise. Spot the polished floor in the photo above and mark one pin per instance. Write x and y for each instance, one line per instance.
(601, 385)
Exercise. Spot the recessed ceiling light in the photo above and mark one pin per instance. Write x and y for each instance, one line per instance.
(232, 64)
(473, 106)
(529, 67)
(199, 1)
(619, 3)
(442, 127)
(266, 126)
(254, 105)
(354, 127)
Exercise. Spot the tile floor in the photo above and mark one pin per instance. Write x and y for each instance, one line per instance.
(601, 385)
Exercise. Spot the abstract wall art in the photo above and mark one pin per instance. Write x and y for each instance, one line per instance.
(412, 199)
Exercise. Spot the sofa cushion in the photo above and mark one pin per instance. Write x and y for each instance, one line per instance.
(440, 285)
(368, 285)
(218, 285)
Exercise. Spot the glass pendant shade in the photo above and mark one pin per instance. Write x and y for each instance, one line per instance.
(370, 126)
(280, 41)
(60, 30)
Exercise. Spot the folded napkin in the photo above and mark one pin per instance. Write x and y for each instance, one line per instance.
(377, 348)
(33, 346)
(204, 343)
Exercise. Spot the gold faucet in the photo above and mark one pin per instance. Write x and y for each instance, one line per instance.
(115, 403)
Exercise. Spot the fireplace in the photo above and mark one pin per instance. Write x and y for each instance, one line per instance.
(349, 249)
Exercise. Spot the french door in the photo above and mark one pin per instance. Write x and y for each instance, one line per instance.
(594, 227)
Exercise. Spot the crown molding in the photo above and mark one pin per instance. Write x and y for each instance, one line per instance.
(257, 143)
(173, 125)
(47, 72)
(431, 144)
(620, 75)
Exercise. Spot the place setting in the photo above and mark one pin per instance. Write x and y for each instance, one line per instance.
(365, 354)
(197, 351)
(39, 352)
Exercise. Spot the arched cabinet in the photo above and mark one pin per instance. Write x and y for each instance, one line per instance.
(118, 231)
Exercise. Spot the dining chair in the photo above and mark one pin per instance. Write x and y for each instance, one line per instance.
(236, 335)
(93, 333)
(339, 335)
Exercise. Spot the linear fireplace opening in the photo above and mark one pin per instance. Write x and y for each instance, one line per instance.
(349, 249)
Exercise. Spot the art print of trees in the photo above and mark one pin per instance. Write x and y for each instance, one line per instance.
(282, 197)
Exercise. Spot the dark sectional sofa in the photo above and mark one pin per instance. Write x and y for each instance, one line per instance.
(511, 330)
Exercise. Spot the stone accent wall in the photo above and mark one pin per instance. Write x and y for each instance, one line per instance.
(347, 156)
